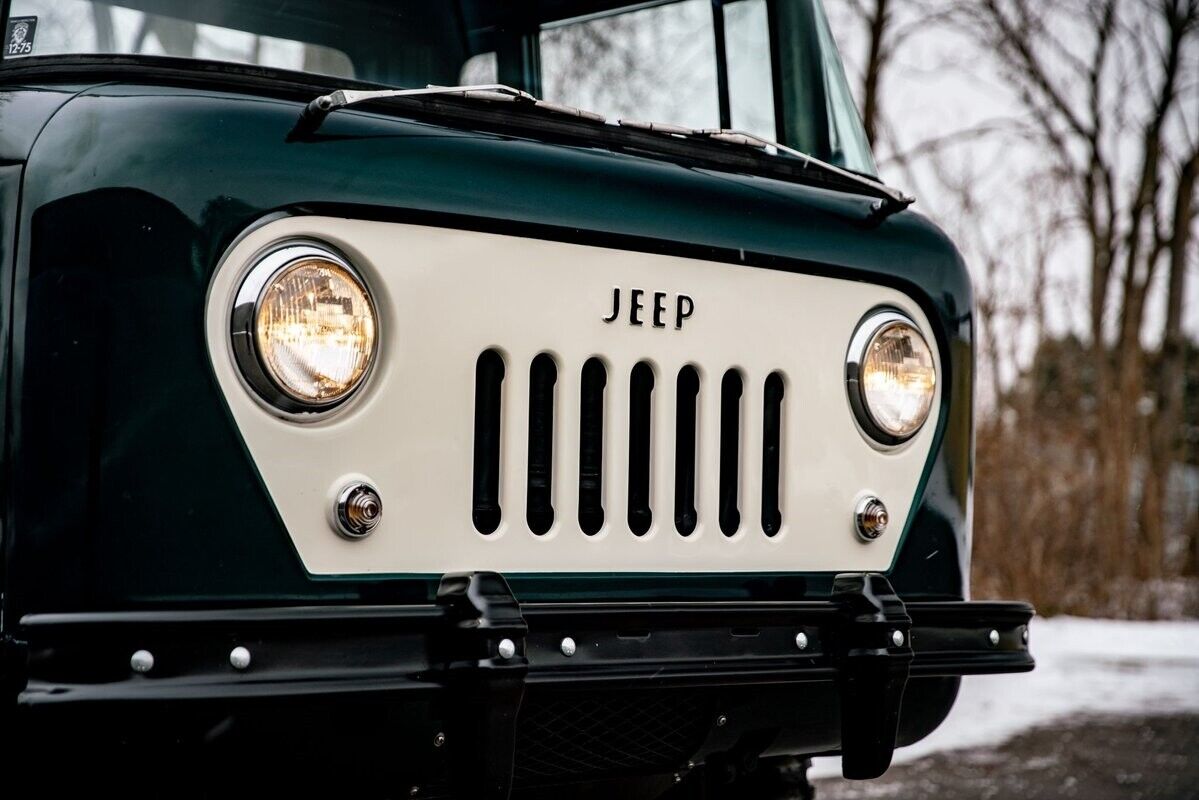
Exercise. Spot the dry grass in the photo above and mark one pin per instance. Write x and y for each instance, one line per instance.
(1039, 532)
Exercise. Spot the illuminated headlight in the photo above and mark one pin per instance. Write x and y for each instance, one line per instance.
(304, 329)
(891, 377)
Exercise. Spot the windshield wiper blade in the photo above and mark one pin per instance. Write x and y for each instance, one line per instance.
(899, 198)
(894, 198)
(316, 111)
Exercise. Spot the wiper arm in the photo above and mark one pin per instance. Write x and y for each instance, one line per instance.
(893, 197)
(316, 111)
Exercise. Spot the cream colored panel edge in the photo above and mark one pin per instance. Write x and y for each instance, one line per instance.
(445, 295)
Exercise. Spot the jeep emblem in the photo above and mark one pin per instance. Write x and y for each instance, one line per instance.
(683, 307)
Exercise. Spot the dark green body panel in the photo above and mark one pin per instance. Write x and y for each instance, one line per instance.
(129, 485)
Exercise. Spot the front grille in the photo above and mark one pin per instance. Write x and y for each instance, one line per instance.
(614, 733)
(641, 397)
(691, 456)
(772, 424)
(730, 443)
(489, 378)
(684, 450)
(505, 429)
(543, 374)
(591, 446)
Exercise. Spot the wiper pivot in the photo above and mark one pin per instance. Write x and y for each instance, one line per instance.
(315, 112)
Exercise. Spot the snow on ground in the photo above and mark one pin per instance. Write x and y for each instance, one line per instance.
(1084, 666)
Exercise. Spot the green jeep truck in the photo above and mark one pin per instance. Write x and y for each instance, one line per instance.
(488, 397)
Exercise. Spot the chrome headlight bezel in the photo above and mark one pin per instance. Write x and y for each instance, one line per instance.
(870, 328)
(243, 319)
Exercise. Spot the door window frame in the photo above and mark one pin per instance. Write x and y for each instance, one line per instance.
(800, 104)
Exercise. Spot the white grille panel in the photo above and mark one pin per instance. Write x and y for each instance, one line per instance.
(445, 296)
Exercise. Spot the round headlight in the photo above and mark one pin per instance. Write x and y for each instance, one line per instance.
(304, 329)
(891, 377)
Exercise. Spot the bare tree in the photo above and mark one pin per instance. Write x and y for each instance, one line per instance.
(1167, 424)
(886, 26)
(1091, 107)
(1105, 132)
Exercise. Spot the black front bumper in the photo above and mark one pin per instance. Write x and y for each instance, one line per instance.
(654, 686)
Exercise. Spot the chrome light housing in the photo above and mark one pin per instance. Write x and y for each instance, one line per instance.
(891, 377)
(304, 329)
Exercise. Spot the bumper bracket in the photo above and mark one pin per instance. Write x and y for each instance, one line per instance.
(486, 685)
(875, 653)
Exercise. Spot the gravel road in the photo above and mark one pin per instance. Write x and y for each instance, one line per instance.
(1088, 758)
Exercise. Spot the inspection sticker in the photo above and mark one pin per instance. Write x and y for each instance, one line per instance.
(18, 40)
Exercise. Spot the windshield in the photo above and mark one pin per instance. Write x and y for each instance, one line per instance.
(768, 67)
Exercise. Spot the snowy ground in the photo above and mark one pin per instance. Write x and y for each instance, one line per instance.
(1084, 667)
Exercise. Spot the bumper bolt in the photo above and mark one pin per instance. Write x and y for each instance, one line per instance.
(721, 721)
(358, 510)
(507, 649)
(870, 518)
(1024, 634)
(897, 638)
(801, 640)
(141, 661)
(568, 647)
(239, 657)
(439, 740)
(993, 638)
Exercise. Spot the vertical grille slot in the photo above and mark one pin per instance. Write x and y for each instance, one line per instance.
(591, 446)
(772, 420)
(543, 374)
(684, 450)
(485, 501)
(641, 390)
(730, 447)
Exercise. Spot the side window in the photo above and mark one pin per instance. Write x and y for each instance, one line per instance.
(655, 64)
(751, 88)
(847, 139)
